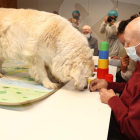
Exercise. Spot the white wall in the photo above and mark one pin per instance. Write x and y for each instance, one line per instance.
(93, 11)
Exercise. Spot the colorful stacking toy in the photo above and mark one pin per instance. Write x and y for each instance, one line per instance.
(103, 60)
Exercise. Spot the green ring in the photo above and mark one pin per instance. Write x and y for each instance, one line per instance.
(104, 46)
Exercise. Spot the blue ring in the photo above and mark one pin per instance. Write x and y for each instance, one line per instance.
(103, 54)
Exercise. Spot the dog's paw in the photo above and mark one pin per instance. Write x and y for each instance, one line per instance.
(1, 75)
(2, 71)
(50, 85)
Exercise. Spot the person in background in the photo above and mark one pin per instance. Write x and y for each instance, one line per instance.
(55, 12)
(109, 27)
(76, 20)
(127, 65)
(125, 117)
(93, 43)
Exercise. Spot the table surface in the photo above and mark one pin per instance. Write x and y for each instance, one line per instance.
(66, 115)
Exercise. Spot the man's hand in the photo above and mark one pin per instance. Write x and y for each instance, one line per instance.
(124, 63)
(97, 84)
(70, 19)
(114, 57)
(105, 19)
(105, 95)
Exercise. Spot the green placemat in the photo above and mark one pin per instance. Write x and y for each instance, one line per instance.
(10, 95)
(17, 71)
(17, 88)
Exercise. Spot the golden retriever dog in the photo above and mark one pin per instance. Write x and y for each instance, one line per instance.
(48, 43)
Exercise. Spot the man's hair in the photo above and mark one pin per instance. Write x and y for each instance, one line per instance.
(55, 12)
(134, 16)
(124, 23)
(87, 26)
(122, 26)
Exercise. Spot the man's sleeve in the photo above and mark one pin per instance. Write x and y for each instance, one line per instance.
(96, 51)
(128, 117)
(103, 27)
(117, 87)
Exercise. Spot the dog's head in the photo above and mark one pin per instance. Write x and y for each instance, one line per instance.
(81, 73)
(78, 70)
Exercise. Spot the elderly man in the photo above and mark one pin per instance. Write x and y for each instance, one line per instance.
(76, 20)
(125, 119)
(93, 43)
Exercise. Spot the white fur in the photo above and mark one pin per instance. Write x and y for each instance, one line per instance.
(48, 42)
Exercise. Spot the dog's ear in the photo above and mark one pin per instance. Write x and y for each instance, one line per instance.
(75, 74)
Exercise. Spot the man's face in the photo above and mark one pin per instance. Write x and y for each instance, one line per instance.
(130, 39)
(75, 16)
(86, 31)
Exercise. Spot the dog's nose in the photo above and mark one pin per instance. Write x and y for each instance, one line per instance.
(80, 88)
(85, 87)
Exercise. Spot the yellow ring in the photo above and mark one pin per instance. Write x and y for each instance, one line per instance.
(103, 63)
